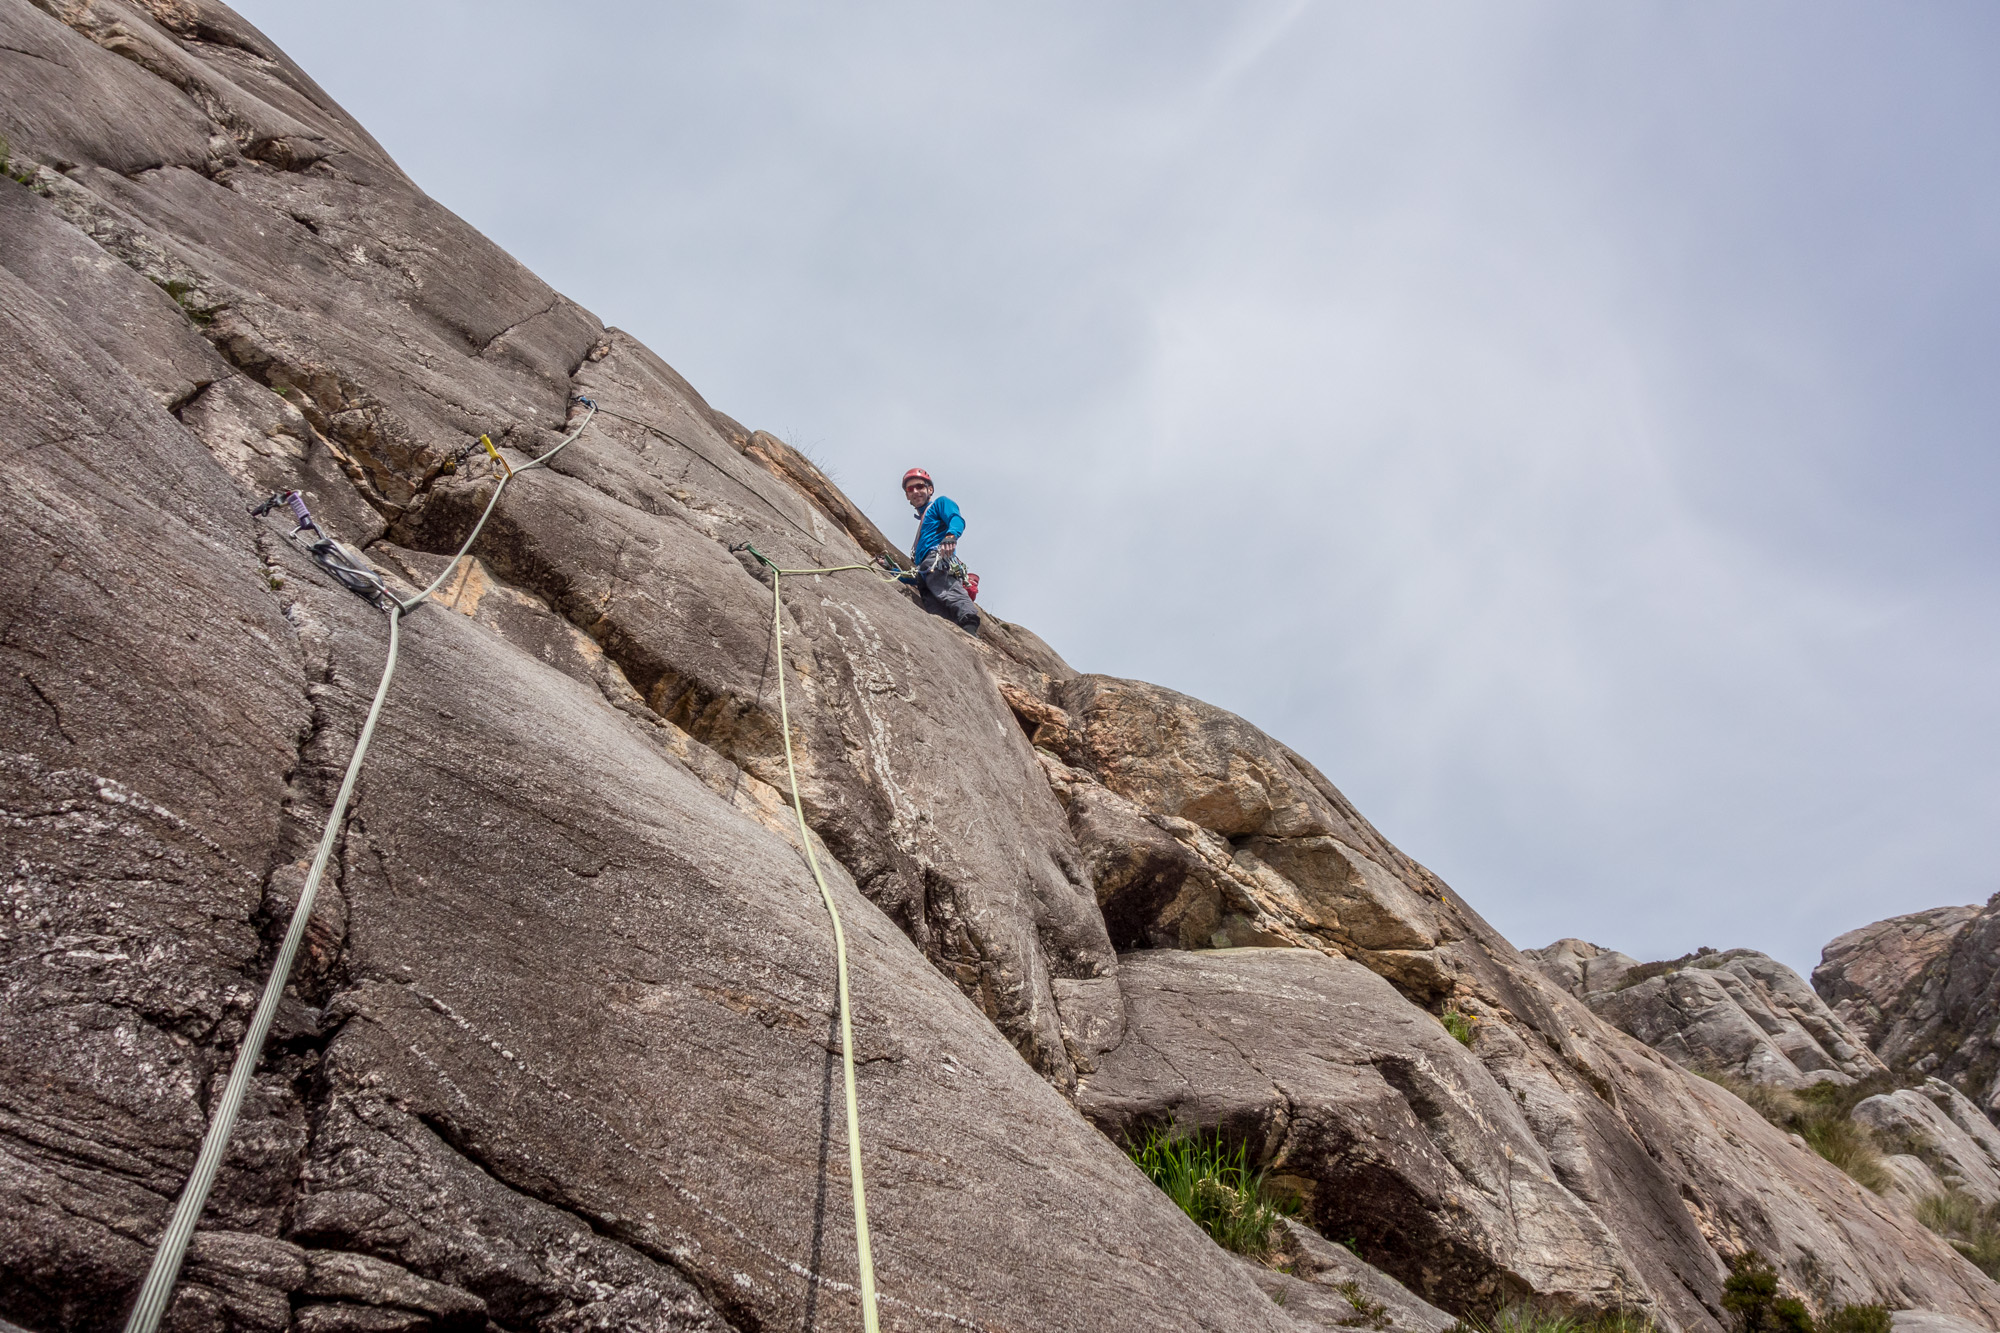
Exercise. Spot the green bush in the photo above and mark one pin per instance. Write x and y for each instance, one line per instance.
(1214, 1185)
(1857, 1319)
(1459, 1024)
(1751, 1295)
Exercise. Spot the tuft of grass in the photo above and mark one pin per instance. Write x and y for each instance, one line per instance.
(1459, 1024)
(1819, 1115)
(1849, 1145)
(24, 175)
(1953, 1213)
(1857, 1319)
(1973, 1231)
(1367, 1313)
(1213, 1184)
(1530, 1318)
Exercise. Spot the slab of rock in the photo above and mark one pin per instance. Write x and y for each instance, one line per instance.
(563, 1042)
(1599, 1105)
(1962, 1112)
(1325, 1285)
(1737, 1012)
(1930, 1321)
(1866, 975)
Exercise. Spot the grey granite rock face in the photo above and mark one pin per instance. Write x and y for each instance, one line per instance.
(559, 1046)
(1880, 973)
(1737, 1012)
(559, 1050)
(1929, 1321)
(1926, 989)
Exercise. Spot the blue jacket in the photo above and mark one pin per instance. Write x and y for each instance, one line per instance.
(940, 519)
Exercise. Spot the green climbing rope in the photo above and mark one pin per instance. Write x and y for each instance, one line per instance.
(863, 1252)
(158, 1287)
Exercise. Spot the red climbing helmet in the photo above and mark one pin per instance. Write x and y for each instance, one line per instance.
(917, 472)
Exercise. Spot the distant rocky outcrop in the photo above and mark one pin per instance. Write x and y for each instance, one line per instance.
(1925, 990)
(1736, 1012)
(560, 1051)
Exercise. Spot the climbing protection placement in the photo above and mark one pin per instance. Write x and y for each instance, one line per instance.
(351, 570)
(348, 567)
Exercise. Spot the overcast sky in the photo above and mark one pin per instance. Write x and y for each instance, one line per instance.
(1570, 425)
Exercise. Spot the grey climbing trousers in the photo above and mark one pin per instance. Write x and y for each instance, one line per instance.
(943, 595)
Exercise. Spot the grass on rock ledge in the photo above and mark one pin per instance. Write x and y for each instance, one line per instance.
(1528, 1318)
(1973, 1231)
(1214, 1185)
(1820, 1115)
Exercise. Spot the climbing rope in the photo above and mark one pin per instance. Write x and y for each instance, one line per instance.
(158, 1287)
(863, 1253)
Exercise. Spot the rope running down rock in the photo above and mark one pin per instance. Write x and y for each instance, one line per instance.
(158, 1287)
(863, 1251)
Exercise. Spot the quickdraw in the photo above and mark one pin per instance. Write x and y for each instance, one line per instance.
(158, 1286)
(347, 566)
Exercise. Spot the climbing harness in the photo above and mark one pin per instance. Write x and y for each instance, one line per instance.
(158, 1287)
(937, 560)
(864, 1254)
(347, 565)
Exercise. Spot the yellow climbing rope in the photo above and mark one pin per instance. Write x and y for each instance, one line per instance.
(863, 1252)
(164, 1273)
(158, 1287)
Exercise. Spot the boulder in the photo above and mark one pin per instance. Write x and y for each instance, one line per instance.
(1909, 1120)
(1911, 1179)
(1393, 1133)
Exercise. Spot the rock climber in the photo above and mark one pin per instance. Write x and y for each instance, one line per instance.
(939, 578)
